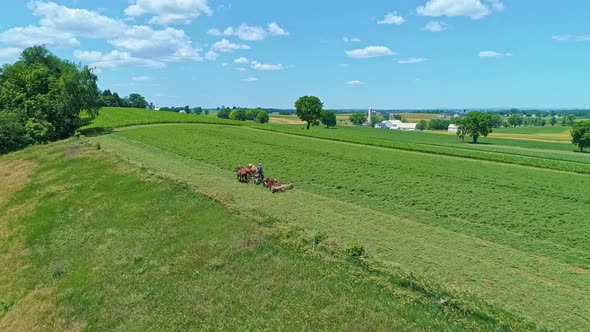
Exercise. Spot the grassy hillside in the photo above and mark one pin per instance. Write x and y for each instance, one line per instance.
(115, 117)
(512, 235)
(91, 242)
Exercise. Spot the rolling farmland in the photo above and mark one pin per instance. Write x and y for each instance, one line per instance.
(497, 229)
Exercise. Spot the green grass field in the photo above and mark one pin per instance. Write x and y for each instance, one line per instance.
(505, 243)
(92, 242)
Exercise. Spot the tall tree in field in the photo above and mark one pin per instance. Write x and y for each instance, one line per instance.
(309, 109)
(329, 119)
(358, 118)
(553, 121)
(477, 124)
(581, 134)
(45, 95)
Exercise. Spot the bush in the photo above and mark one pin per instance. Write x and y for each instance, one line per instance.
(355, 249)
(262, 117)
(439, 124)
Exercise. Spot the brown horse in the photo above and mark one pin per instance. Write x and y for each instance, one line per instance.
(243, 174)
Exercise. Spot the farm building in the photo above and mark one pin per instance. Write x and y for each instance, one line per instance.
(396, 125)
(453, 128)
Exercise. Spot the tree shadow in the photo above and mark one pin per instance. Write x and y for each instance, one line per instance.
(94, 132)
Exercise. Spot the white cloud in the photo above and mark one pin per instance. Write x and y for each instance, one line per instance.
(580, 38)
(250, 79)
(225, 46)
(412, 60)
(211, 56)
(435, 26)
(351, 40)
(562, 37)
(354, 82)
(275, 30)
(392, 18)
(250, 33)
(225, 64)
(266, 66)
(169, 11)
(9, 53)
(167, 45)
(33, 35)
(115, 59)
(493, 54)
(78, 22)
(141, 78)
(87, 56)
(242, 60)
(370, 52)
(497, 5)
(470, 8)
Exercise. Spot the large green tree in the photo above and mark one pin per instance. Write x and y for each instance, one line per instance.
(477, 124)
(581, 134)
(358, 118)
(309, 109)
(329, 119)
(46, 96)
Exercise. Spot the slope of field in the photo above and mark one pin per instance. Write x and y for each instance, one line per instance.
(114, 117)
(91, 242)
(512, 236)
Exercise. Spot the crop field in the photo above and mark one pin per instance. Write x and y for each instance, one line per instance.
(548, 134)
(131, 249)
(513, 237)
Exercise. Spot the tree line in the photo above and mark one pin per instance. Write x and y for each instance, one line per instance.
(134, 100)
(257, 115)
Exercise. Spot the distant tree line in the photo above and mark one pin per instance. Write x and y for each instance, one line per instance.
(112, 99)
(43, 98)
(257, 115)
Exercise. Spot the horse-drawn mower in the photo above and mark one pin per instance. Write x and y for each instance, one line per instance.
(250, 173)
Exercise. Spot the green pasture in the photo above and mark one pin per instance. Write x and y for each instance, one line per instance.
(93, 242)
(513, 237)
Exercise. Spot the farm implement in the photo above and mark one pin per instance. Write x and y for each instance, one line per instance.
(247, 174)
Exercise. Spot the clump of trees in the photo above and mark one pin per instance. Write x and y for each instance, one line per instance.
(42, 98)
(581, 134)
(438, 124)
(358, 118)
(112, 99)
(257, 115)
(329, 119)
(309, 109)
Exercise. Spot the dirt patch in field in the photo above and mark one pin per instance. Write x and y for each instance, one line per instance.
(37, 311)
(14, 175)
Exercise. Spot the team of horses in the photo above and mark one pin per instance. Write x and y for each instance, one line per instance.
(245, 174)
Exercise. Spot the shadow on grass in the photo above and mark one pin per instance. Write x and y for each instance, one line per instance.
(93, 132)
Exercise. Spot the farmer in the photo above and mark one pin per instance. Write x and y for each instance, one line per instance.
(259, 169)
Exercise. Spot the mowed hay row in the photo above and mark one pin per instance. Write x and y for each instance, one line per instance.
(485, 239)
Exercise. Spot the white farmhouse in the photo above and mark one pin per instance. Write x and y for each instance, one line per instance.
(453, 128)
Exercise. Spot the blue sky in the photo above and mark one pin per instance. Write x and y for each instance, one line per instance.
(412, 54)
